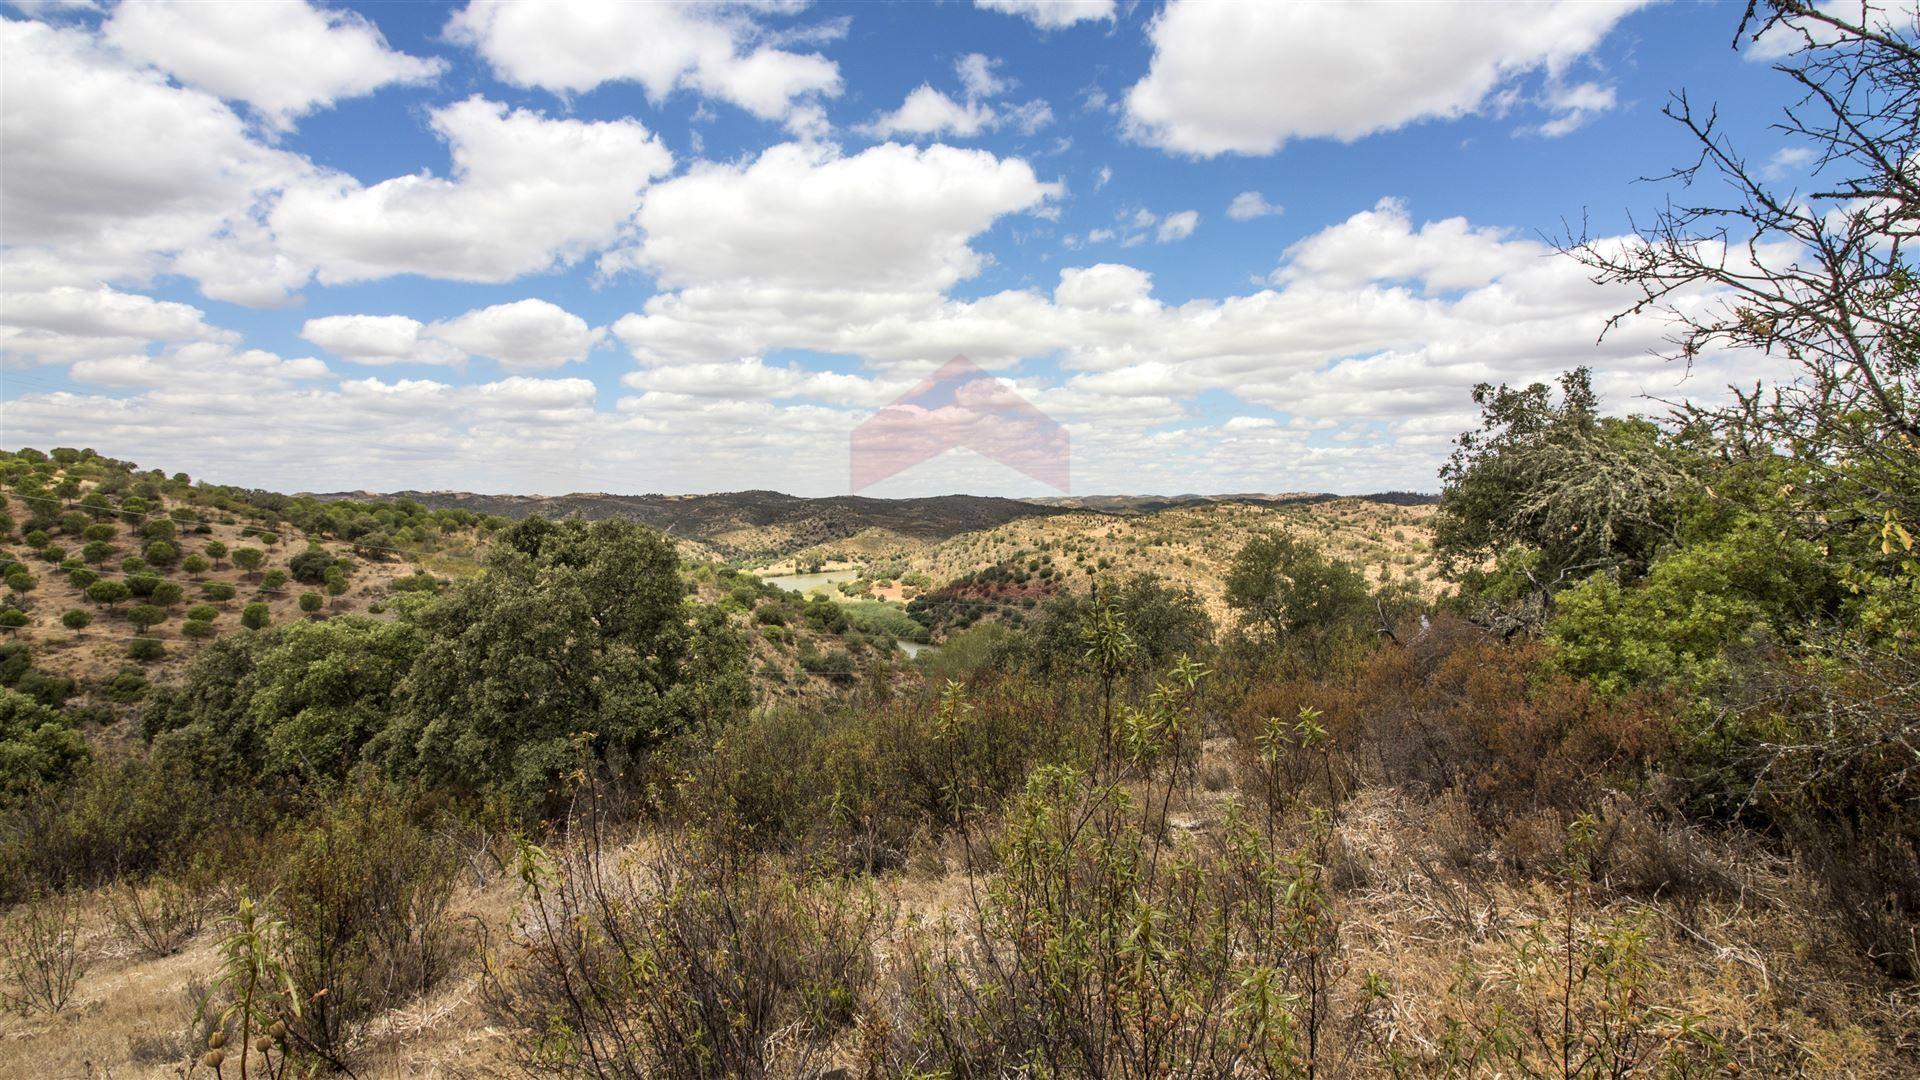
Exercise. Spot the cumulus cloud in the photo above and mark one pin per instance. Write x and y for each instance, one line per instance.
(523, 335)
(1177, 226)
(977, 72)
(379, 339)
(200, 368)
(575, 46)
(1052, 14)
(526, 193)
(1249, 205)
(1245, 78)
(799, 217)
(67, 323)
(177, 168)
(927, 111)
(283, 59)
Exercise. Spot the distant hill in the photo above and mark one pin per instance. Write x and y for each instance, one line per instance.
(749, 524)
(1149, 504)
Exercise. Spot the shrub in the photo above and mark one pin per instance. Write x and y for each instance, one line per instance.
(217, 591)
(311, 602)
(76, 618)
(41, 957)
(254, 616)
(146, 649)
(197, 628)
(159, 917)
(364, 893)
(697, 964)
(310, 566)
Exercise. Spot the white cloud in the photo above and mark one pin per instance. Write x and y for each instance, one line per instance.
(523, 335)
(379, 339)
(1105, 285)
(890, 218)
(1572, 106)
(927, 111)
(1177, 226)
(577, 45)
(1245, 78)
(1052, 14)
(976, 72)
(109, 172)
(1028, 117)
(526, 193)
(1381, 245)
(200, 367)
(1787, 161)
(1249, 205)
(67, 323)
(1250, 423)
(284, 59)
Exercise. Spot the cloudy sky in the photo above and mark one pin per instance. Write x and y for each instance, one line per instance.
(644, 247)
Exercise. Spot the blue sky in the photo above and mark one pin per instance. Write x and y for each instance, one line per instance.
(545, 248)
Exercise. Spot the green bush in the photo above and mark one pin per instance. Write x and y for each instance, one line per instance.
(76, 618)
(1750, 588)
(38, 746)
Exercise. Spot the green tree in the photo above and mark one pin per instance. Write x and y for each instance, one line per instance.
(310, 566)
(249, 559)
(38, 746)
(108, 592)
(1586, 492)
(255, 615)
(575, 628)
(310, 602)
(146, 616)
(1284, 587)
(76, 618)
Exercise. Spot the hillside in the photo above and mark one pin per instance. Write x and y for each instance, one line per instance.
(746, 524)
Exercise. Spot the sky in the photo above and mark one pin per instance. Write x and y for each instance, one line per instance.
(542, 248)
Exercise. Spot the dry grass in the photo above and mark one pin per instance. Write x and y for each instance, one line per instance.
(1771, 977)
